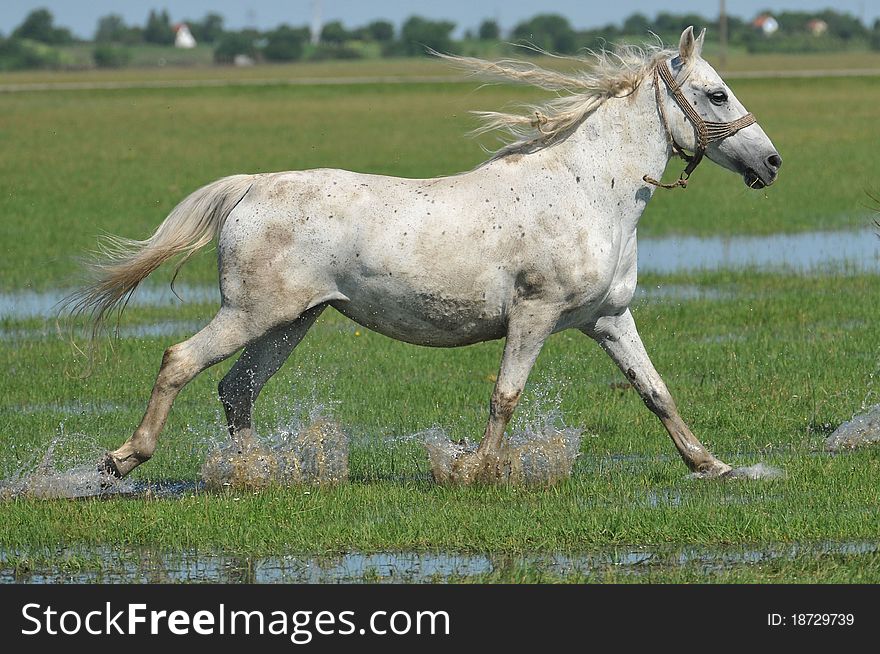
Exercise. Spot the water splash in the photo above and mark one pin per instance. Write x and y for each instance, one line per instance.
(314, 452)
(757, 471)
(67, 469)
(540, 453)
(863, 429)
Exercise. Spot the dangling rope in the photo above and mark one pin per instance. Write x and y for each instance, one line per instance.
(681, 181)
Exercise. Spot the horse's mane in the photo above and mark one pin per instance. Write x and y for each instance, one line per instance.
(602, 74)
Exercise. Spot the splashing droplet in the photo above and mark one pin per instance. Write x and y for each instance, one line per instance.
(68, 469)
(538, 455)
(863, 429)
(757, 471)
(312, 453)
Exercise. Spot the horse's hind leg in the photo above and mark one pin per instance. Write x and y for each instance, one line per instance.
(228, 332)
(619, 338)
(259, 361)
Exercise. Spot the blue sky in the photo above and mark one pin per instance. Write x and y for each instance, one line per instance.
(81, 16)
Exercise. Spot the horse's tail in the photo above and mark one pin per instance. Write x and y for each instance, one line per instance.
(124, 263)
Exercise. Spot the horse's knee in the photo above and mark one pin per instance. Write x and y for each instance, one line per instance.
(234, 390)
(503, 404)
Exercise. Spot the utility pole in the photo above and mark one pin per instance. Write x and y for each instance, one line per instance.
(316, 22)
(722, 35)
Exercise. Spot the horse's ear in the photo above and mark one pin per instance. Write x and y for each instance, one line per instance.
(690, 46)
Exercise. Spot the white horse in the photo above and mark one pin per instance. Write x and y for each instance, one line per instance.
(540, 238)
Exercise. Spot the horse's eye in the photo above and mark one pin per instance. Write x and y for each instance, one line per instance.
(717, 97)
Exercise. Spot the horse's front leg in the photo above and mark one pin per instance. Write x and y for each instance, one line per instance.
(619, 338)
(528, 327)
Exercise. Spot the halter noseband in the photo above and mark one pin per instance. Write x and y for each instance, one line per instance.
(705, 131)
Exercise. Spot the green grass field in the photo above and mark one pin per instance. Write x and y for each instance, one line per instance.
(762, 365)
(80, 162)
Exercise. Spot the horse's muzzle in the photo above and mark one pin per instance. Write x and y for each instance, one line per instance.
(766, 176)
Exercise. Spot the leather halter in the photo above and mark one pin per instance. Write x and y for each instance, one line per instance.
(706, 131)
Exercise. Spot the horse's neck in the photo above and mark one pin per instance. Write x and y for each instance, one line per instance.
(617, 145)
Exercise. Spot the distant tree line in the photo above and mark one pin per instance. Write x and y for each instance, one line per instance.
(38, 42)
(842, 31)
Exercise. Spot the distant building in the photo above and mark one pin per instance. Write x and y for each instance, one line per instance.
(183, 38)
(766, 23)
(817, 27)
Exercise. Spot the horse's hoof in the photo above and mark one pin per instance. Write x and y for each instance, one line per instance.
(108, 467)
(717, 470)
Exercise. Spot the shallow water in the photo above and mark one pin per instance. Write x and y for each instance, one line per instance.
(161, 328)
(803, 252)
(148, 566)
(45, 304)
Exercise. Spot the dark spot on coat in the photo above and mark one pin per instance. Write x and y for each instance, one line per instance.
(528, 284)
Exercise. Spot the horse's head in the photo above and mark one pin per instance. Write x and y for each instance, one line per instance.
(702, 114)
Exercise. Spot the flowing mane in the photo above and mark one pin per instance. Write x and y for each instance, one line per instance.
(604, 74)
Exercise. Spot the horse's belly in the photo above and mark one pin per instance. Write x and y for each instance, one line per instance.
(425, 318)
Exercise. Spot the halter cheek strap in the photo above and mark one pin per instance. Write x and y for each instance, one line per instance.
(706, 131)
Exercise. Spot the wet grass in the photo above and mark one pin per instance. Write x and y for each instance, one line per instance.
(820, 563)
(762, 365)
(762, 368)
(803, 569)
(78, 163)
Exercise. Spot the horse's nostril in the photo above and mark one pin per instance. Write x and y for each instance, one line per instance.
(774, 162)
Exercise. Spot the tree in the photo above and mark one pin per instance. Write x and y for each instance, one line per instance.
(845, 26)
(875, 35)
(20, 54)
(232, 44)
(38, 26)
(207, 30)
(158, 28)
(671, 25)
(417, 34)
(111, 56)
(489, 31)
(335, 33)
(381, 31)
(636, 24)
(111, 29)
(549, 32)
(285, 43)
